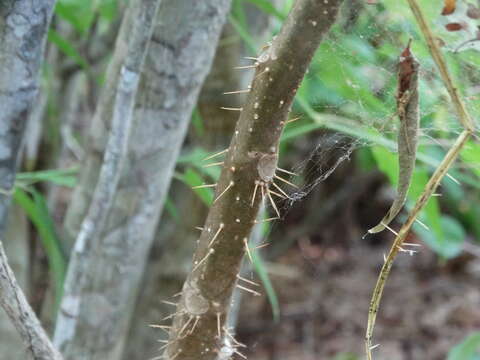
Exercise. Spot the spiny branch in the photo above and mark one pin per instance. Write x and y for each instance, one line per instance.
(249, 169)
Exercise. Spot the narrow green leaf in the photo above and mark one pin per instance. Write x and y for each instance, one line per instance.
(37, 212)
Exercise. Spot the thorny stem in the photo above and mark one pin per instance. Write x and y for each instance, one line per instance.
(437, 56)
(251, 158)
(440, 172)
(402, 234)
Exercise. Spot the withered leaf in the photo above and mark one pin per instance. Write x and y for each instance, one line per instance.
(449, 7)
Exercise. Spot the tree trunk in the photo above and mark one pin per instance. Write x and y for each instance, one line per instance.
(198, 330)
(23, 30)
(179, 58)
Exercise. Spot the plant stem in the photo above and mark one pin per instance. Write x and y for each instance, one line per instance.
(198, 329)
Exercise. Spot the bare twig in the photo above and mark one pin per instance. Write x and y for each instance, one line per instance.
(22, 316)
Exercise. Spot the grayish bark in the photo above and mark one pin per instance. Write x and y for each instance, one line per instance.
(23, 29)
(16, 246)
(76, 333)
(13, 301)
(179, 58)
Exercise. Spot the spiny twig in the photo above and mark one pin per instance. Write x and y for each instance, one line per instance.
(432, 184)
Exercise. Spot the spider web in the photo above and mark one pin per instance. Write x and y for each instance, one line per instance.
(350, 90)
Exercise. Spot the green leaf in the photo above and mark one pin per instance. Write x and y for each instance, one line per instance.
(468, 349)
(67, 48)
(261, 270)
(62, 177)
(449, 245)
(192, 178)
(38, 213)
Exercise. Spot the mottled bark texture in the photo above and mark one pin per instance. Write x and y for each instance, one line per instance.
(23, 29)
(16, 246)
(82, 327)
(198, 329)
(179, 58)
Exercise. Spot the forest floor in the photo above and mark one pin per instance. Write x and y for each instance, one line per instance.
(324, 282)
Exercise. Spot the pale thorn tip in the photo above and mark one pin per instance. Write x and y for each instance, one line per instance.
(285, 181)
(215, 155)
(213, 164)
(231, 108)
(203, 186)
(230, 185)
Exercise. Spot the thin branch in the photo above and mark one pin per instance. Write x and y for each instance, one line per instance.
(22, 316)
(463, 115)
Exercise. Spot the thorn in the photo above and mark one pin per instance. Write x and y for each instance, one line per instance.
(184, 327)
(247, 249)
(250, 58)
(169, 303)
(220, 227)
(273, 203)
(422, 224)
(239, 344)
(285, 181)
(215, 155)
(453, 179)
(412, 244)
(436, 195)
(197, 318)
(239, 354)
(292, 120)
(261, 246)
(280, 189)
(162, 327)
(237, 92)
(286, 171)
(263, 192)
(384, 258)
(256, 293)
(211, 251)
(410, 252)
(219, 328)
(245, 67)
(231, 108)
(199, 228)
(265, 220)
(203, 186)
(374, 346)
(254, 192)
(224, 191)
(276, 194)
(247, 281)
(177, 294)
(389, 228)
(213, 164)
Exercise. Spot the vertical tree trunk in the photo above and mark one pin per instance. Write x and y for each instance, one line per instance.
(23, 30)
(179, 58)
(198, 330)
(84, 328)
